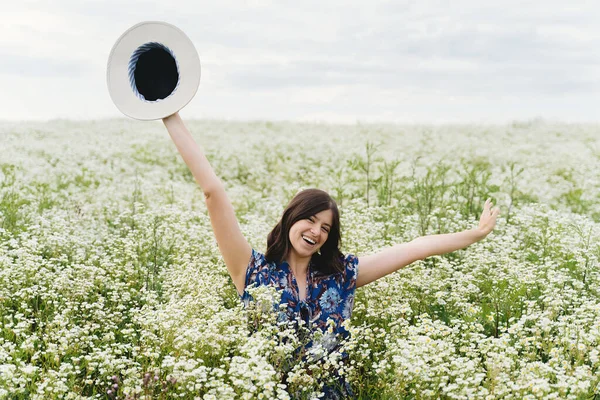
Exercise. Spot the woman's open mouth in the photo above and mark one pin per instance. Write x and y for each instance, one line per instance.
(310, 242)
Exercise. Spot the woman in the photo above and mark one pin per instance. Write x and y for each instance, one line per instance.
(303, 257)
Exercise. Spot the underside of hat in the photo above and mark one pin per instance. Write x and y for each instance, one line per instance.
(153, 71)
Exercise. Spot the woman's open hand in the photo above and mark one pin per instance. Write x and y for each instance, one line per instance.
(487, 222)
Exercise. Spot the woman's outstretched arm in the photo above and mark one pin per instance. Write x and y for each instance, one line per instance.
(375, 266)
(233, 245)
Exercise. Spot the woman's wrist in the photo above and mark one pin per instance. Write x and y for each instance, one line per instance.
(171, 118)
(478, 234)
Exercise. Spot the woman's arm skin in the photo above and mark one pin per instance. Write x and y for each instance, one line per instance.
(375, 266)
(233, 245)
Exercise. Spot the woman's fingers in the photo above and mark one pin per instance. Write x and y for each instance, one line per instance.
(488, 206)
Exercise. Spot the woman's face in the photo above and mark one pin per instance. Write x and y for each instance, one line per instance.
(308, 235)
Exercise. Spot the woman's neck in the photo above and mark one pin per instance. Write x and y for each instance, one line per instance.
(298, 265)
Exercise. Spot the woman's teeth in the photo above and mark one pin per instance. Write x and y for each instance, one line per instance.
(309, 241)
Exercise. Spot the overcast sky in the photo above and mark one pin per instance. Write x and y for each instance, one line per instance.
(335, 61)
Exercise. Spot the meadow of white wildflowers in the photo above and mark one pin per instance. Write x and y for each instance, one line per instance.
(112, 285)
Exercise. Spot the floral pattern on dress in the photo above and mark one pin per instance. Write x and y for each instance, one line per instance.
(327, 297)
(330, 300)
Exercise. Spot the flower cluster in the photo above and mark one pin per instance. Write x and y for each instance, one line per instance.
(112, 284)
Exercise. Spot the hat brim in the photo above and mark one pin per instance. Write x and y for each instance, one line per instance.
(120, 88)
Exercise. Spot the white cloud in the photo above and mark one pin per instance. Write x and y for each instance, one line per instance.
(343, 61)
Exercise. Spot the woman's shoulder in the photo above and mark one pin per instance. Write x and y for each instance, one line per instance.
(349, 263)
(349, 258)
(344, 281)
(350, 266)
(259, 261)
(259, 270)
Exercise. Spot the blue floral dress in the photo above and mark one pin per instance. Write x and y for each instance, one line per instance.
(327, 297)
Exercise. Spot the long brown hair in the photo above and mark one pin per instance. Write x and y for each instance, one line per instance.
(304, 205)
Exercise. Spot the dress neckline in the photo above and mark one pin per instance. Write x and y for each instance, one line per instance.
(308, 281)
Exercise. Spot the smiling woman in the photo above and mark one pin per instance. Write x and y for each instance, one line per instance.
(303, 262)
(309, 230)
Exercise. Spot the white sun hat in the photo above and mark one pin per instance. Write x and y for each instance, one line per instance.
(153, 71)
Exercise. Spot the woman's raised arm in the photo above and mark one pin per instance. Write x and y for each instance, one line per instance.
(375, 266)
(233, 245)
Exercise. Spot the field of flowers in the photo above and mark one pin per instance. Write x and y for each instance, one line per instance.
(112, 285)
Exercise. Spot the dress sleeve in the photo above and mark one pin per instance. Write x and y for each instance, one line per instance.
(257, 270)
(350, 272)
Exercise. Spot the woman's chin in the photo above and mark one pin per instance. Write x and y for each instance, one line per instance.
(306, 252)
